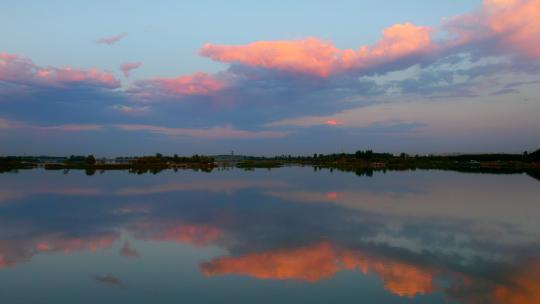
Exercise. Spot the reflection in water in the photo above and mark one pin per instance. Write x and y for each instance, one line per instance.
(129, 252)
(521, 287)
(320, 261)
(466, 238)
(109, 280)
(198, 235)
(22, 250)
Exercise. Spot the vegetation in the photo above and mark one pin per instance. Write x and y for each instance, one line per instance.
(362, 162)
(138, 165)
(14, 163)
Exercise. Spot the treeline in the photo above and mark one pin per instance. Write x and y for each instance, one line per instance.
(363, 161)
(10, 163)
(369, 155)
(159, 158)
(358, 161)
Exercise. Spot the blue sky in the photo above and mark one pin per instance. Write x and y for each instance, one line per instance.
(269, 78)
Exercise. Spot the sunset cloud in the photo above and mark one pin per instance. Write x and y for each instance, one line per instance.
(195, 84)
(511, 26)
(518, 23)
(313, 56)
(22, 71)
(501, 26)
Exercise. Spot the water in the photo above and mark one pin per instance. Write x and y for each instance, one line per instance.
(289, 235)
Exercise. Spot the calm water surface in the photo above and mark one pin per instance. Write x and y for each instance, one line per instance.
(290, 235)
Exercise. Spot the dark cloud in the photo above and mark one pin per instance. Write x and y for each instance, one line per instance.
(109, 280)
(109, 40)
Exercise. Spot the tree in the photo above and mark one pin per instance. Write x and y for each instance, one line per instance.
(90, 160)
(534, 156)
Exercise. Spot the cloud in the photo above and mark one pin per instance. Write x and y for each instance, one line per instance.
(130, 109)
(111, 39)
(518, 22)
(69, 128)
(497, 27)
(9, 124)
(331, 122)
(500, 26)
(127, 67)
(315, 57)
(195, 84)
(22, 71)
(226, 132)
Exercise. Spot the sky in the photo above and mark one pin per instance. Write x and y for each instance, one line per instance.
(264, 78)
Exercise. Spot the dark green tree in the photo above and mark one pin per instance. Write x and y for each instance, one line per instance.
(90, 160)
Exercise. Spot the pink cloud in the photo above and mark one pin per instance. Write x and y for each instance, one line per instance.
(226, 132)
(332, 195)
(111, 39)
(331, 122)
(513, 24)
(14, 68)
(310, 56)
(127, 67)
(518, 22)
(400, 40)
(21, 70)
(195, 84)
(64, 76)
(320, 58)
